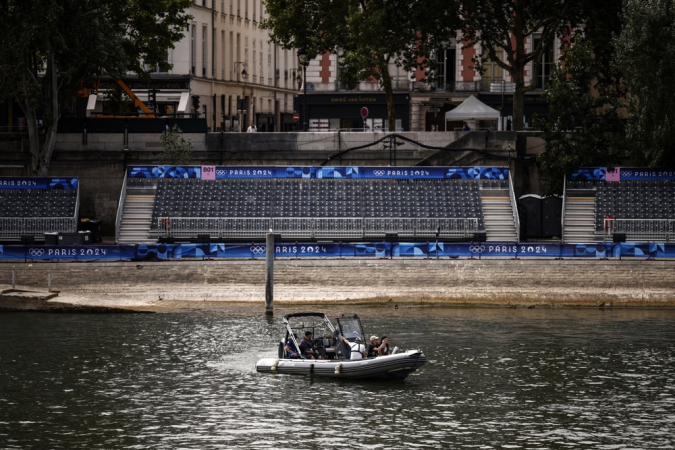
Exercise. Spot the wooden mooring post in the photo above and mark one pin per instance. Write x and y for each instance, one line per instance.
(269, 274)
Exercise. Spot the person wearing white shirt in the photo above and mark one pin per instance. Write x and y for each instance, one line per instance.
(358, 350)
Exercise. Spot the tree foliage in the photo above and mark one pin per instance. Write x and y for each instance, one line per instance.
(52, 48)
(501, 27)
(583, 127)
(646, 58)
(369, 36)
(177, 151)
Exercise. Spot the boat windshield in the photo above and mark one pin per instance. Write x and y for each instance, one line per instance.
(350, 328)
(320, 327)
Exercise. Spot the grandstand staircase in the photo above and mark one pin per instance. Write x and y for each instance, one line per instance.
(137, 217)
(498, 215)
(579, 220)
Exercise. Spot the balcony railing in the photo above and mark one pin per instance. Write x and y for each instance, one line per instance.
(448, 86)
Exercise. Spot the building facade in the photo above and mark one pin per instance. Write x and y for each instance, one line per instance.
(419, 105)
(226, 70)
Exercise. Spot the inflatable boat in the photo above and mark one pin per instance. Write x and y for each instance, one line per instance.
(332, 353)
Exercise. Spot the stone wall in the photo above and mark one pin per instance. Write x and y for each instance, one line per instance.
(527, 282)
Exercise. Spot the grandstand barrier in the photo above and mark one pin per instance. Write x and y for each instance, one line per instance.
(15, 227)
(316, 228)
(373, 249)
(33, 206)
(640, 230)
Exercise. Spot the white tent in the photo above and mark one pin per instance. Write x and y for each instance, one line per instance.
(472, 109)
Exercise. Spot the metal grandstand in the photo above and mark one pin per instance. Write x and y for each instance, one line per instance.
(191, 208)
(31, 207)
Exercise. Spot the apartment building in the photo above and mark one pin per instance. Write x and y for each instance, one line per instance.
(420, 104)
(224, 70)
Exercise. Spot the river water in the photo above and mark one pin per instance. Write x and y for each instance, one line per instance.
(496, 378)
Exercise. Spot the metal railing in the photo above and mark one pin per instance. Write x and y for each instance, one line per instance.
(120, 208)
(642, 230)
(15, 227)
(314, 227)
(514, 207)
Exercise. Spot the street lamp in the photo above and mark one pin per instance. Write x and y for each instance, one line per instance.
(302, 59)
(241, 108)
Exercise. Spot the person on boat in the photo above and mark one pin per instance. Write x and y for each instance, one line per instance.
(384, 346)
(307, 346)
(358, 350)
(291, 350)
(380, 348)
(373, 347)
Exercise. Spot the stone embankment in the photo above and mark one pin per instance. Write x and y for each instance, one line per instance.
(495, 282)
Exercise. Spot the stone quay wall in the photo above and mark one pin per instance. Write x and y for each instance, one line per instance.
(495, 282)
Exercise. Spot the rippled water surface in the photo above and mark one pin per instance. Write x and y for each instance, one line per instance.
(496, 378)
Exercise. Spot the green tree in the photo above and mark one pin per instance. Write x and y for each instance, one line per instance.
(177, 151)
(645, 55)
(583, 127)
(369, 36)
(504, 26)
(51, 48)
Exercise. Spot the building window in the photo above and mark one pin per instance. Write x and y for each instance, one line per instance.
(545, 64)
(255, 76)
(204, 35)
(445, 69)
(223, 55)
(193, 49)
(262, 77)
(246, 50)
(269, 65)
(493, 74)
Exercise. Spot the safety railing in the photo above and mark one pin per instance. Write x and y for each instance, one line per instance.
(15, 227)
(514, 207)
(642, 230)
(314, 227)
(120, 208)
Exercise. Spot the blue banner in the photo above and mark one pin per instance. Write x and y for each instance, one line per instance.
(67, 252)
(338, 172)
(625, 173)
(336, 250)
(37, 183)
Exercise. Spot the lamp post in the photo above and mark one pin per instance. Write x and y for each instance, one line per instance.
(241, 108)
(302, 59)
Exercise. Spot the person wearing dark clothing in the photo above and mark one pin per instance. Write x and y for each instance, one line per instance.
(291, 351)
(373, 347)
(307, 346)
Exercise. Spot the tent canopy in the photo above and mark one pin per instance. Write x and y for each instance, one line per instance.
(472, 109)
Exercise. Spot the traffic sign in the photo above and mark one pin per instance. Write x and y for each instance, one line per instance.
(296, 117)
(364, 112)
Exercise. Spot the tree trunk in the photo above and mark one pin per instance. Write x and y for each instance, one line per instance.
(518, 108)
(389, 92)
(31, 123)
(50, 142)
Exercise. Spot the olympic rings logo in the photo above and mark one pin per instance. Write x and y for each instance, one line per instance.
(378, 173)
(221, 172)
(36, 251)
(257, 250)
(477, 248)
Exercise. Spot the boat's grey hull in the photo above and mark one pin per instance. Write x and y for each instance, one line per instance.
(391, 367)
